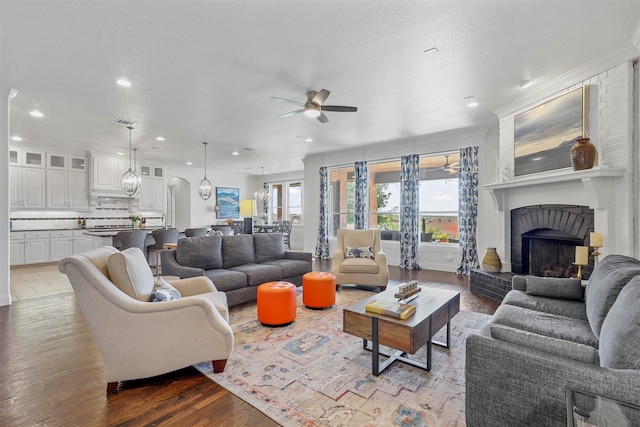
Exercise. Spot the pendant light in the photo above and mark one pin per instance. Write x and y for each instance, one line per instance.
(205, 188)
(263, 195)
(131, 180)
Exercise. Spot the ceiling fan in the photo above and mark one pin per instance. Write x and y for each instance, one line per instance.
(450, 167)
(314, 106)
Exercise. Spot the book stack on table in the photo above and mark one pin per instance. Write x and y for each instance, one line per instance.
(391, 308)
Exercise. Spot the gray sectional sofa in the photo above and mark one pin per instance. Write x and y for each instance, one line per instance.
(236, 264)
(551, 334)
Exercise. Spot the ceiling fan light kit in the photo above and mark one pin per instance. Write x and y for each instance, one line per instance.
(314, 107)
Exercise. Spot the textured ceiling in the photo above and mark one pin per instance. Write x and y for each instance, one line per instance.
(205, 70)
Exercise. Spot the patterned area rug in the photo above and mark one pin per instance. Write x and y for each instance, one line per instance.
(310, 373)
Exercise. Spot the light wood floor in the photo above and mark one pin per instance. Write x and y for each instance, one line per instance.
(52, 373)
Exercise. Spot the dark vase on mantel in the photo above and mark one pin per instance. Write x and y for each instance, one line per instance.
(583, 154)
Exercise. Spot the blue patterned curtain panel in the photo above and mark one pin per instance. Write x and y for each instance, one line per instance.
(468, 208)
(265, 206)
(409, 211)
(322, 245)
(361, 196)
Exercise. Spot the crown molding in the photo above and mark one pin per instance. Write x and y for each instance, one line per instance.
(609, 60)
(635, 37)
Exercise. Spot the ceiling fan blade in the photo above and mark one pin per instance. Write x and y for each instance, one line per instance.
(320, 97)
(292, 113)
(299, 104)
(340, 108)
(322, 118)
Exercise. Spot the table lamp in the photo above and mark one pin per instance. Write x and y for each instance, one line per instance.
(582, 258)
(248, 209)
(596, 241)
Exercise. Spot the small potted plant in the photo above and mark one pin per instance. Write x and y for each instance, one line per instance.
(135, 218)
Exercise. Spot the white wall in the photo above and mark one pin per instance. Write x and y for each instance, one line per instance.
(432, 255)
(6, 95)
(203, 212)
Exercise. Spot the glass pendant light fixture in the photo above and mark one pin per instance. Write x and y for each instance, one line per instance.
(131, 180)
(205, 188)
(263, 195)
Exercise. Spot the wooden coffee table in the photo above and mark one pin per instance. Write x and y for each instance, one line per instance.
(434, 310)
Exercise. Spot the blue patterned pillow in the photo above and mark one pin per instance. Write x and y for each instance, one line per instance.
(163, 291)
(362, 252)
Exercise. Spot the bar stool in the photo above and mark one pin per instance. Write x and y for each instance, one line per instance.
(161, 237)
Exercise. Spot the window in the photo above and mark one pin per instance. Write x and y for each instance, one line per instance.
(341, 198)
(286, 202)
(438, 198)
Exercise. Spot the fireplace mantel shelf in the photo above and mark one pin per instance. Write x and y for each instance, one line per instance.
(594, 180)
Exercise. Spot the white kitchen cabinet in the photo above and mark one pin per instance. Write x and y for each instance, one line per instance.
(60, 244)
(106, 173)
(66, 162)
(24, 157)
(16, 248)
(36, 247)
(67, 189)
(27, 187)
(82, 242)
(152, 194)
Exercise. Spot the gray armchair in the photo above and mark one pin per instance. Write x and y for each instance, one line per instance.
(140, 339)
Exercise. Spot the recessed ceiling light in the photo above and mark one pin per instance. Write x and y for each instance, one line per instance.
(159, 138)
(123, 82)
(154, 148)
(471, 102)
(189, 163)
(308, 139)
(235, 153)
(522, 84)
(36, 113)
(120, 153)
(431, 50)
(16, 138)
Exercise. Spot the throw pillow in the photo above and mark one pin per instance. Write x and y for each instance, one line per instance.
(554, 287)
(130, 272)
(620, 333)
(361, 252)
(563, 348)
(163, 291)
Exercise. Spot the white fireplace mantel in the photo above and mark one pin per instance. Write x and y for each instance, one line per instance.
(595, 182)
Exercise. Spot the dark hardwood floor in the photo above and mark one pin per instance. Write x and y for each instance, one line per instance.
(52, 373)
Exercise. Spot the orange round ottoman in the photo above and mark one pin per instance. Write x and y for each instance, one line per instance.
(318, 289)
(277, 303)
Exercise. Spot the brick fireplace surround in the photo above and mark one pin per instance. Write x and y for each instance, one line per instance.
(607, 190)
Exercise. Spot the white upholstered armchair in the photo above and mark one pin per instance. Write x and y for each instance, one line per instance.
(140, 339)
(359, 259)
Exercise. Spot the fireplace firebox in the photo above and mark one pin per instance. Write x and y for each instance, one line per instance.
(544, 238)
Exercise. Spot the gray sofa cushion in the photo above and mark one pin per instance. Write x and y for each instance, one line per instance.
(607, 280)
(238, 250)
(563, 348)
(258, 274)
(550, 325)
(227, 280)
(554, 287)
(620, 335)
(566, 308)
(291, 267)
(268, 246)
(200, 252)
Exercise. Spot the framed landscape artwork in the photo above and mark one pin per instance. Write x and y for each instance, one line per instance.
(228, 202)
(545, 134)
